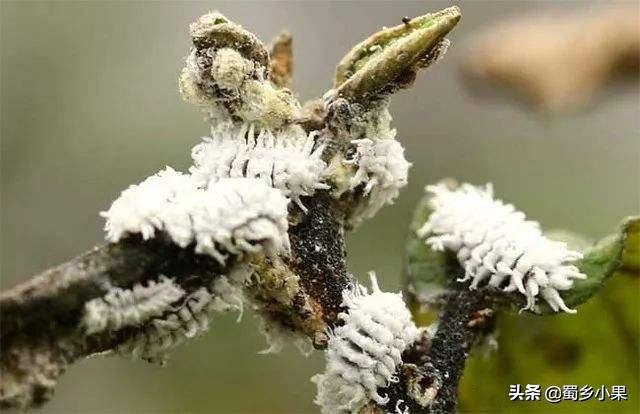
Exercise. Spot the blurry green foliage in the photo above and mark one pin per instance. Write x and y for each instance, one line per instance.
(597, 346)
(426, 272)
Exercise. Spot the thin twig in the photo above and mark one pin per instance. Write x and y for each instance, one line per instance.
(432, 367)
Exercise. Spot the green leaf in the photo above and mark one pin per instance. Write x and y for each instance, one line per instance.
(426, 272)
(618, 252)
(631, 250)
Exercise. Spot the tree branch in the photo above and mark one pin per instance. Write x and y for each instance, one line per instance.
(40, 318)
(57, 294)
(302, 292)
(299, 292)
(433, 366)
(462, 322)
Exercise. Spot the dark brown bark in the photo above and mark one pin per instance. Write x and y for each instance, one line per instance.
(432, 367)
(40, 318)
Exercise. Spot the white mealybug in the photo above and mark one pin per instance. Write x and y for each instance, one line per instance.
(187, 320)
(494, 242)
(241, 215)
(141, 207)
(383, 169)
(130, 307)
(290, 162)
(365, 351)
(235, 215)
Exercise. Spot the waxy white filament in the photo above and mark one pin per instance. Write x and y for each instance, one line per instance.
(233, 215)
(495, 244)
(289, 162)
(364, 353)
(130, 307)
(382, 169)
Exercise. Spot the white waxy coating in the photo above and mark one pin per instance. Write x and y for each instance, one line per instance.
(290, 162)
(234, 215)
(364, 353)
(383, 170)
(495, 244)
(130, 307)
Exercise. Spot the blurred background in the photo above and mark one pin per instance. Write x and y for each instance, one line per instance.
(90, 104)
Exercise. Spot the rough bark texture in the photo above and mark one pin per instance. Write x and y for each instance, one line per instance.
(54, 298)
(302, 291)
(318, 271)
(459, 326)
(40, 318)
(319, 258)
(432, 367)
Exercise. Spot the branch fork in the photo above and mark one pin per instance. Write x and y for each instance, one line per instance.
(231, 76)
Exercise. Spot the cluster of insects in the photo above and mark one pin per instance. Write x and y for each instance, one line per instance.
(187, 319)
